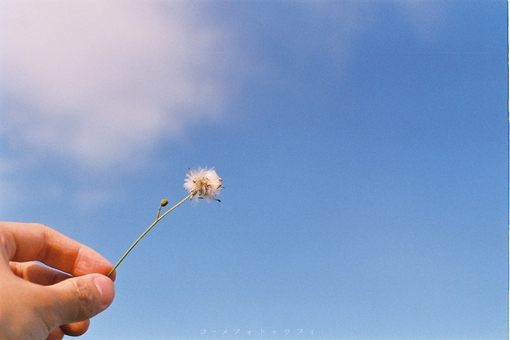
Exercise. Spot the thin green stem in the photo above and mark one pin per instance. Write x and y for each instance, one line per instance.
(148, 229)
(159, 212)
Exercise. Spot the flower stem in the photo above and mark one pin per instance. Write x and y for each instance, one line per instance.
(159, 218)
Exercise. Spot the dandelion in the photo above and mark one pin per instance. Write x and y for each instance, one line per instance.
(202, 183)
(205, 183)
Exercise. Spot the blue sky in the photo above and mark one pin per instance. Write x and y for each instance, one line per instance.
(363, 147)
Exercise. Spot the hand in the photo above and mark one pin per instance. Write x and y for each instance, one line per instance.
(38, 302)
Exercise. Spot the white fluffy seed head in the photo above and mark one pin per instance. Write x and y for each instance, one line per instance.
(205, 183)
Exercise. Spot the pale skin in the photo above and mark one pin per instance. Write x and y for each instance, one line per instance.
(40, 302)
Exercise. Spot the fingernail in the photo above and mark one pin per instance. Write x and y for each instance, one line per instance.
(105, 288)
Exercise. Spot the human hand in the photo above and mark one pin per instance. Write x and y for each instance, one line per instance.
(47, 302)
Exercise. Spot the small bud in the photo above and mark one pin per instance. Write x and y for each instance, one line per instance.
(164, 202)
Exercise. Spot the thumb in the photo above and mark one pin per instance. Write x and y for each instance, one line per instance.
(79, 298)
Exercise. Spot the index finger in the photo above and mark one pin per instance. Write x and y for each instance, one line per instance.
(31, 241)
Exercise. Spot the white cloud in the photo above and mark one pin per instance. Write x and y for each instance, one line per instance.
(100, 81)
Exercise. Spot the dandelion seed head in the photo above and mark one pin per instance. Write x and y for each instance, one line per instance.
(205, 183)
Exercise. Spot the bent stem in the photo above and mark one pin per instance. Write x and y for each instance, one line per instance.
(191, 194)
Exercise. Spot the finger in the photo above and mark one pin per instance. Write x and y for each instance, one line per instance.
(76, 328)
(28, 242)
(56, 334)
(36, 273)
(78, 299)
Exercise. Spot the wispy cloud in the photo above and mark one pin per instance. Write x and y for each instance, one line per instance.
(96, 84)
(425, 16)
(100, 81)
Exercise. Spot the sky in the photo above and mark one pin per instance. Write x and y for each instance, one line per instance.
(363, 147)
